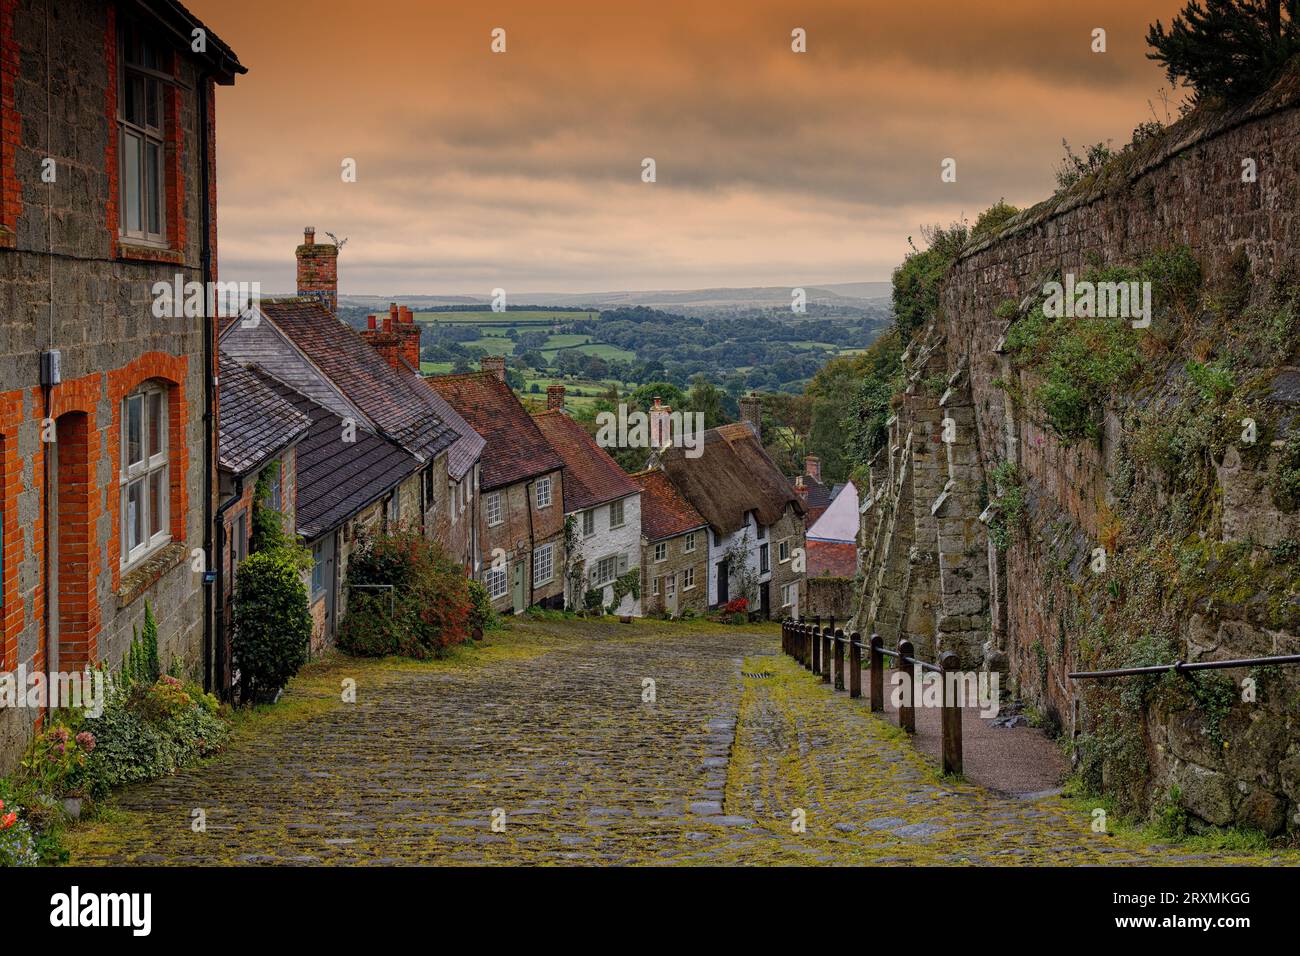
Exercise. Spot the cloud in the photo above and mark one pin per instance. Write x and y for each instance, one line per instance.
(523, 170)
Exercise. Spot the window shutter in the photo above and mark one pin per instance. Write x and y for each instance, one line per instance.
(622, 564)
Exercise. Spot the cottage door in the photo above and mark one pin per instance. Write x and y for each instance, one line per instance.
(670, 592)
(765, 599)
(724, 583)
(517, 587)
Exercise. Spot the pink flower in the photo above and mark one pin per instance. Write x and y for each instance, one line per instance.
(60, 734)
(87, 740)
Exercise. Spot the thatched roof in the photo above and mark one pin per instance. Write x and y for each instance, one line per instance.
(731, 477)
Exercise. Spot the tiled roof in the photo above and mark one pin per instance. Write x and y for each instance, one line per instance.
(732, 476)
(469, 444)
(832, 559)
(591, 477)
(255, 421)
(394, 400)
(819, 495)
(664, 512)
(516, 449)
(337, 478)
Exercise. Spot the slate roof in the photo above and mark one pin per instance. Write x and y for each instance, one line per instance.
(516, 449)
(664, 512)
(732, 476)
(591, 477)
(255, 421)
(336, 479)
(394, 400)
(832, 559)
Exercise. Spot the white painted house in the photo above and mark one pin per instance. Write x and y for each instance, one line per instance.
(604, 505)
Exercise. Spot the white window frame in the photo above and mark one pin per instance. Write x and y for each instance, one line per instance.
(589, 522)
(689, 546)
(492, 510)
(491, 577)
(688, 579)
(617, 518)
(543, 557)
(661, 552)
(783, 552)
(654, 587)
(785, 594)
(599, 580)
(543, 485)
(154, 465)
(151, 184)
(764, 559)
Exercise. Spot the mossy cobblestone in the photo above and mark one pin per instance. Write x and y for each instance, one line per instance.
(547, 723)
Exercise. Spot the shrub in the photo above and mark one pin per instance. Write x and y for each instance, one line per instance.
(481, 615)
(146, 731)
(406, 596)
(17, 844)
(141, 663)
(56, 757)
(272, 631)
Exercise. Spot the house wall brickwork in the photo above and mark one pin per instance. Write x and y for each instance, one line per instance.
(68, 283)
(523, 528)
(677, 561)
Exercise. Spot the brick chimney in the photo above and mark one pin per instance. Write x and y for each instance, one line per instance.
(399, 339)
(496, 364)
(661, 432)
(812, 466)
(555, 398)
(318, 269)
(751, 410)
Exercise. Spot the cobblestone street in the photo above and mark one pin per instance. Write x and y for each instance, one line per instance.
(547, 723)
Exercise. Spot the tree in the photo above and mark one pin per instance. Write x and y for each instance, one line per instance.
(669, 394)
(1228, 49)
(916, 281)
(707, 398)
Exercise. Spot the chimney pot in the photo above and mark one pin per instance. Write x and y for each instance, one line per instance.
(812, 466)
(371, 323)
(388, 323)
(309, 235)
(555, 397)
(496, 364)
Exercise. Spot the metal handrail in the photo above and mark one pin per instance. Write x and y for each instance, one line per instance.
(1180, 667)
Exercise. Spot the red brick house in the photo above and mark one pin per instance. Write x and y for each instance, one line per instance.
(521, 499)
(106, 464)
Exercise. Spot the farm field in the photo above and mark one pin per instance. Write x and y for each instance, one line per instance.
(504, 320)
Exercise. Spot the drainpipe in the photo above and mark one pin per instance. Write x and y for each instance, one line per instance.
(211, 648)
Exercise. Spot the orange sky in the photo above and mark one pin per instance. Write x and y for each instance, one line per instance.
(523, 170)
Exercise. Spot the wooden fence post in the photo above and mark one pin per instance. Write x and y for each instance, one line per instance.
(855, 664)
(815, 643)
(951, 715)
(827, 638)
(877, 674)
(839, 659)
(907, 706)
